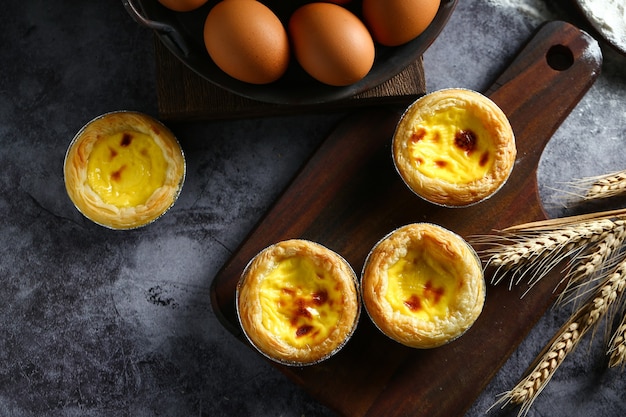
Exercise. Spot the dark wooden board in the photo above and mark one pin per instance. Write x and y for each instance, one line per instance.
(348, 196)
(183, 95)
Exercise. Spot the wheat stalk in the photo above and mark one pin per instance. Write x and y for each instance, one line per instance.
(566, 340)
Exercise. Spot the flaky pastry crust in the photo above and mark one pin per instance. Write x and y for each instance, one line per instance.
(465, 295)
(253, 316)
(497, 130)
(89, 203)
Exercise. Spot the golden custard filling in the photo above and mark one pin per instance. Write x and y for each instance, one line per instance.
(126, 168)
(298, 301)
(452, 145)
(421, 285)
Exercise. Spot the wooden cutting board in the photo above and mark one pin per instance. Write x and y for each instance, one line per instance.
(183, 95)
(348, 196)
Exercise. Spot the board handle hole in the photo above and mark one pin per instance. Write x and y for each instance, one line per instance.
(560, 57)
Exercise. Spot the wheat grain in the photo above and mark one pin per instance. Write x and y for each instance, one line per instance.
(617, 346)
(607, 295)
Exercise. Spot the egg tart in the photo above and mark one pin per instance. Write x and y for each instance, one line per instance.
(423, 286)
(454, 147)
(124, 169)
(298, 302)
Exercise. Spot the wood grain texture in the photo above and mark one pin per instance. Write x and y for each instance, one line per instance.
(348, 196)
(184, 95)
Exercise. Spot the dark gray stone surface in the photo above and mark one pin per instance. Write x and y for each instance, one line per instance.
(101, 323)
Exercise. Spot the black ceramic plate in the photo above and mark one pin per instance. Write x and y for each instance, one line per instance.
(182, 34)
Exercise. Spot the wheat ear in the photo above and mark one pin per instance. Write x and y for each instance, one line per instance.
(529, 388)
(534, 252)
(605, 186)
(594, 263)
(596, 187)
(566, 340)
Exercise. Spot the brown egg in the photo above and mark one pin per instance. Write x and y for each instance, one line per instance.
(395, 22)
(247, 41)
(182, 5)
(331, 43)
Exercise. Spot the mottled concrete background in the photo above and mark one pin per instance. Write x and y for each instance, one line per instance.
(101, 323)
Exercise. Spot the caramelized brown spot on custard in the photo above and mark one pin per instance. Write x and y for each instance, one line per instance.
(441, 164)
(414, 303)
(300, 311)
(433, 293)
(319, 298)
(465, 140)
(484, 158)
(127, 138)
(117, 175)
(113, 153)
(303, 330)
(418, 135)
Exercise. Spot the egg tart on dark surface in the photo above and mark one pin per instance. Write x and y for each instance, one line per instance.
(124, 170)
(298, 302)
(423, 286)
(454, 147)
